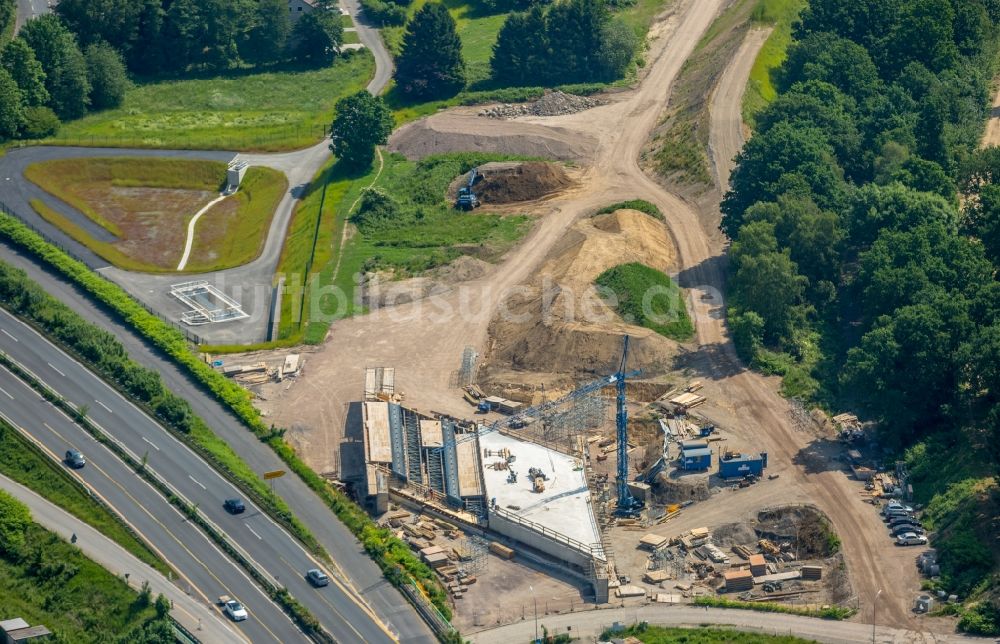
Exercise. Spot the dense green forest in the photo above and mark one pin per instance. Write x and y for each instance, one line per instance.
(865, 228)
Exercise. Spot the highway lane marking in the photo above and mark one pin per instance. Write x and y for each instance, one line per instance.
(167, 530)
(6, 333)
(253, 531)
(56, 369)
(6, 394)
(349, 593)
(150, 442)
(332, 607)
(106, 408)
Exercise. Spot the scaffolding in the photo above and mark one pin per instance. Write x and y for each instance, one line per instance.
(473, 554)
(467, 373)
(562, 426)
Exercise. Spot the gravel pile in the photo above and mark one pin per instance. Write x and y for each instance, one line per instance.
(552, 104)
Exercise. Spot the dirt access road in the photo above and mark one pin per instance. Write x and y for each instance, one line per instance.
(424, 340)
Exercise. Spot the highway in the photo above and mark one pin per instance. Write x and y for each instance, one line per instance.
(351, 559)
(190, 611)
(206, 572)
(262, 540)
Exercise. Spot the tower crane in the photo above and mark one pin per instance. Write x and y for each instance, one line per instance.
(628, 505)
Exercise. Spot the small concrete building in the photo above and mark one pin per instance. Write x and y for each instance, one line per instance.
(297, 8)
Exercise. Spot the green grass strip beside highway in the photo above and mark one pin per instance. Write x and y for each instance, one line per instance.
(23, 461)
(391, 554)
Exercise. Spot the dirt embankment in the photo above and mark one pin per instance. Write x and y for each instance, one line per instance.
(558, 324)
(463, 130)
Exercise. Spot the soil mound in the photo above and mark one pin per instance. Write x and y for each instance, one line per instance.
(501, 183)
(461, 130)
(558, 324)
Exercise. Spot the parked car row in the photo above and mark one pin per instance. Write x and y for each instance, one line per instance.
(903, 524)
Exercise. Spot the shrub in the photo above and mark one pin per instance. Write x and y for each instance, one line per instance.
(981, 619)
(641, 205)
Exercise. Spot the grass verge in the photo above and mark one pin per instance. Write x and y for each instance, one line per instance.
(649, 298)
(48, 581)
(147, 204)
(234, 231)
(702, 635)
(22, 461)
(760, 90)
(425, 232)
(106, 356)
(830, 612)
(392, 555)
(276, 110)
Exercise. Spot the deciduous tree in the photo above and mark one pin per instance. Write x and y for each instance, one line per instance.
(362, 122)
(11, 107)
(107, 76)
(318, 35)
(19, 60)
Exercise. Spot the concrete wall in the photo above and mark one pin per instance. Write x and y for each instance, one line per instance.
(543, 543)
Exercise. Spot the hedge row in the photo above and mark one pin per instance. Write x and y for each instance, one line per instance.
(391, 554)
(299, 614)
(830, 612)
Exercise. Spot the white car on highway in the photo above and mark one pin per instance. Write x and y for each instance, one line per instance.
(234, 609)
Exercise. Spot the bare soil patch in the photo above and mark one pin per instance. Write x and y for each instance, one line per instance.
(461, 130)
(152, 221)
(557, 322)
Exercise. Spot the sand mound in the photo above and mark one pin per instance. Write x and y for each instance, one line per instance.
(460, 130)
(500, 183)
(557, 323)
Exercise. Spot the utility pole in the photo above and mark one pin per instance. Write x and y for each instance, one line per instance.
(874, 604)
(535, 601)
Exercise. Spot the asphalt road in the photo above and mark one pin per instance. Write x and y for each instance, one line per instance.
(353, 562)
(192, 612)
(28, 9)
(263, 540)
(370, 37)
(206, 571)
(589, 624)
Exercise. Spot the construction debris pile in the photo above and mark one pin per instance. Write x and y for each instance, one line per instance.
(734, 559)
(452, 555)
(551, 104)
(258, 373)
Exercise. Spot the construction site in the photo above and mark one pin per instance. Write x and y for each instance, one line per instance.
(582, 498)
(493, 420)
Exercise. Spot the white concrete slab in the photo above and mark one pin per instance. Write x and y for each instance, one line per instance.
(563, 507)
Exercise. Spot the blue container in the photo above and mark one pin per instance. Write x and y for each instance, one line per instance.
(697, 459)
(742, 465)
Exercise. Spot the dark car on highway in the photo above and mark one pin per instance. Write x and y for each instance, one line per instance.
(75, 459)
(234, 506)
